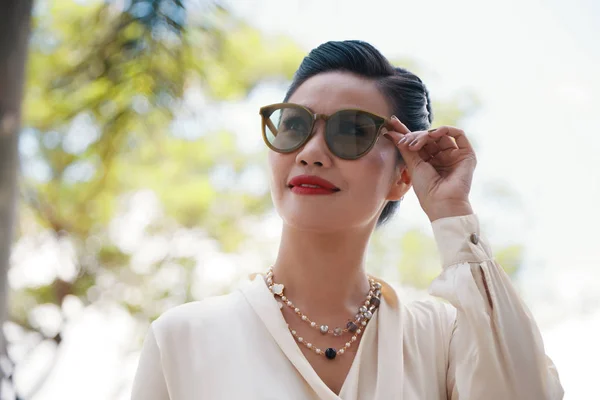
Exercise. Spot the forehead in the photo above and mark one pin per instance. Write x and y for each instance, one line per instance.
(329, 92)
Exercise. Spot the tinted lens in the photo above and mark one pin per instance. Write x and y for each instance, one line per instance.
(287, 127)
(351, 133)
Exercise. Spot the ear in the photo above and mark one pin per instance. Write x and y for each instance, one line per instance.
(401, 184)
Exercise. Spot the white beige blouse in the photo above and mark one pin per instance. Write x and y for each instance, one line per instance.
(485, 346)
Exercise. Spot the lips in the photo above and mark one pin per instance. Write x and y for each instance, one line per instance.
(310, 184)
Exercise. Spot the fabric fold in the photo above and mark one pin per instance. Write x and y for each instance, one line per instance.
(484, 345)
(496, 348)
(265, 306)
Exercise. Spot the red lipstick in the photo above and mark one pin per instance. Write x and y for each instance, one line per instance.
(310, 184)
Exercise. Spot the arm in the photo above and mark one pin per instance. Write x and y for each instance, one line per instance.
(149, 382)
(496, 350)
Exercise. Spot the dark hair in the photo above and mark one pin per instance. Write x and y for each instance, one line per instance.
(407, 94)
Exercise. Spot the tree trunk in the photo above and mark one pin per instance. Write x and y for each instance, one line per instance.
(15, 17)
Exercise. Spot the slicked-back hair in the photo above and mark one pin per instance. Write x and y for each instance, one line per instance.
(407, 95)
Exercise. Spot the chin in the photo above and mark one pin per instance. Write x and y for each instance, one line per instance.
(315, 215)
(323, 222)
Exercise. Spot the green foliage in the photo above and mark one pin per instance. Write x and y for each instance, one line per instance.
(419, 263)
(511, 258)
(104, 85)
(111, 256)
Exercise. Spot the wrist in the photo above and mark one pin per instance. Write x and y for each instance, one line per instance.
(447, 210)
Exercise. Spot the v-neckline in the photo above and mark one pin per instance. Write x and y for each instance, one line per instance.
(266, 307)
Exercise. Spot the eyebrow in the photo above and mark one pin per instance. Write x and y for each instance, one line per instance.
(344, 108)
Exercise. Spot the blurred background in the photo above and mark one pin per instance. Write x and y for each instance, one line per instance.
(143, 181)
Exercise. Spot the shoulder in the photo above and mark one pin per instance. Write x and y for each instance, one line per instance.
(194, 319)
(422, 315)
(429, 323)
(424, 311)
(432, 311)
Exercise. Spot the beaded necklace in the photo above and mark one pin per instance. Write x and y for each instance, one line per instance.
(356, 326)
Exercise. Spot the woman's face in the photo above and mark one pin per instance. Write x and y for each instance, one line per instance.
(365, 185)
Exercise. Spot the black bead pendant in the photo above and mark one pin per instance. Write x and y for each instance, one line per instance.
(330, 353)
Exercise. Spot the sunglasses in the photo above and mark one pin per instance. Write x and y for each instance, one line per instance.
(349, 134)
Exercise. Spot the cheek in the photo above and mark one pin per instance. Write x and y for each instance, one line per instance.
(370, 179)
(272, 161)
(279, 169)
(274, 168)
(377, 167)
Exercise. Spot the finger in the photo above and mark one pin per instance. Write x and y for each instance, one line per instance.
(415, 140)
(411, 157)
(456, 146)
(446, 143)
(438, 153)
(439, 161)
(431, 148)
(403, 137)
(398, 126)
(444, 158)
(425, 156)
(418, 140)
(422, 140)
(457, 134)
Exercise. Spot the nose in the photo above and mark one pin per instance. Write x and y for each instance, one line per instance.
(315, 151)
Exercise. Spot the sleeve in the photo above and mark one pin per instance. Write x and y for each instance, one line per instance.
(496, 349)
(149, 382)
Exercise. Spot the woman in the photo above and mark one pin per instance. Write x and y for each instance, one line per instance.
(350, 139)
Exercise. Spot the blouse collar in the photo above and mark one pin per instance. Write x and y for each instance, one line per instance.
(380, 348)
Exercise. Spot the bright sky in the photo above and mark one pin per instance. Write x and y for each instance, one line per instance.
(534, 66)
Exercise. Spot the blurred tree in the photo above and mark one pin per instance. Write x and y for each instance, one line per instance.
(106, 80)
(14, 34)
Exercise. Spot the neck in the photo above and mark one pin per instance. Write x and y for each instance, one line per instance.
(323, 272)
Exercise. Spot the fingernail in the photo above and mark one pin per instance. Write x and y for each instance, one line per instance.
(403, 140)
(413, 142)
(396, 118)
(432, 130)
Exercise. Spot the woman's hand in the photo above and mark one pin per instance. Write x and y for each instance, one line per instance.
(441, 163)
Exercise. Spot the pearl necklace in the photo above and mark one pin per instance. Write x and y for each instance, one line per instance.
(364, 315)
